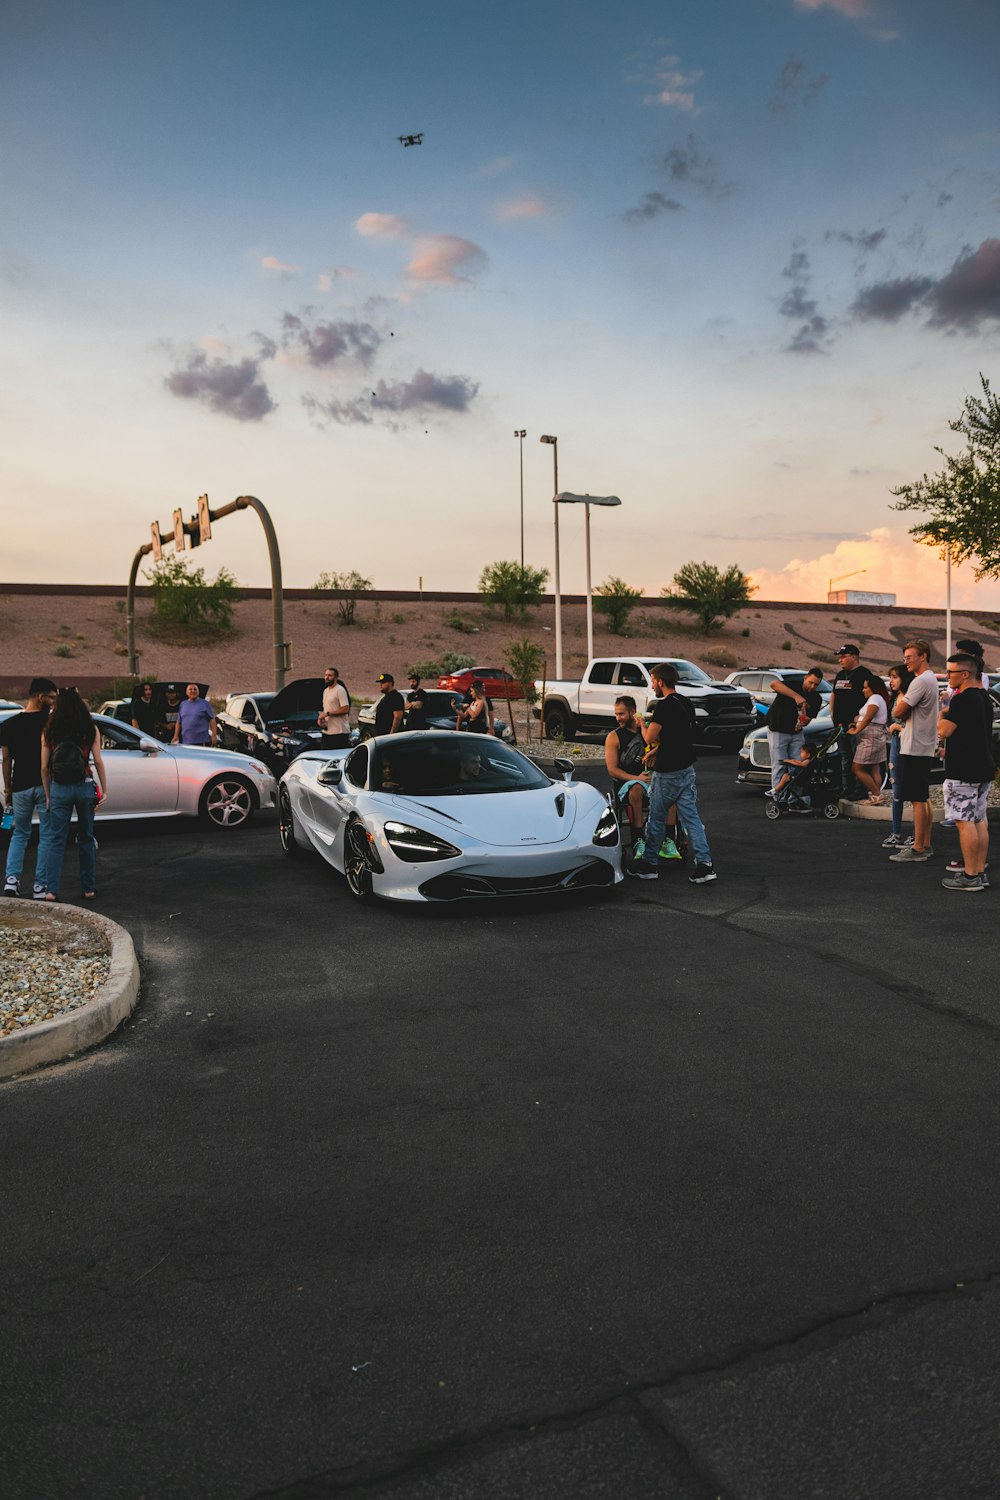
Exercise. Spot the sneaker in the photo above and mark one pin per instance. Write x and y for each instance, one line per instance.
(640, 870)
(11, 886)
(962, 882)
(894, 841)
(947, 823)
(910, 856)
(38, 892)
(639, 848)
(669, 850)
(702, 875)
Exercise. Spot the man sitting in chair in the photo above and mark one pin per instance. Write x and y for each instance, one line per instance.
(623, 754)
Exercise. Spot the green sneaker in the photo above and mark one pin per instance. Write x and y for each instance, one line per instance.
(669, 850)
(638, 848)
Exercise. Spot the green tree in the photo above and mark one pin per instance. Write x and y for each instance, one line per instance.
(352, 584)
(524, 661)
(616, 599)
(512, 587)
(962, 501)
(707, 592)
(186, 597)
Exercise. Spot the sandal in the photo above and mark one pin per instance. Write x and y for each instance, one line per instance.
(90, 895)
(875, 798)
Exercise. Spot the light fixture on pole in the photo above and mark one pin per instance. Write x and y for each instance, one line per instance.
(520, 433)
(565, 498)
(554, 441)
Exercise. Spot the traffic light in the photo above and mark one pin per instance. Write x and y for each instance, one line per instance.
(154, 532)
(204, 520)
(178, 531)
(194, 534)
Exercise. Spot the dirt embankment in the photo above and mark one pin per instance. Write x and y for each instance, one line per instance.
(80, 639)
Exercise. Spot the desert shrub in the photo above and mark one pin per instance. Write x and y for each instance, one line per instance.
(64, 649)
(424, 669)
(709, 593)
(353, 583)
(616, 599)
(456, 661)
(513, 587)
(187, 598)
(746, 631)
(786, 645)
(721, 656)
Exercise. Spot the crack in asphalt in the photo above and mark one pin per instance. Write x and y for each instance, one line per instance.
(641, 1398)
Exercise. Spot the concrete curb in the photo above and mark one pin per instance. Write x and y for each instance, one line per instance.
(883, 814)
(64, 1036)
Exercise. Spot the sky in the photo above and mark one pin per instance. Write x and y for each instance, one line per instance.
(742, 257)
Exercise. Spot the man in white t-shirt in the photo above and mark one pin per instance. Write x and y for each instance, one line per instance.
(917, 709)
(335, 719)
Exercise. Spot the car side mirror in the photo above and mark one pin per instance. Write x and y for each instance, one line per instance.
(563, 764)
(331, 775)
(150, 747)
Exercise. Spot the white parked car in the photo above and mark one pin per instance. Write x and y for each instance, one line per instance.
(434, 816)
(147, 779)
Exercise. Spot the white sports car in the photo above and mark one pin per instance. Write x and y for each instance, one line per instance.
(149, 780)
(434, 816)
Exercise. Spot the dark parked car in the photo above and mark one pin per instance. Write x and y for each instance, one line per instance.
(275, 727)
(442, 711)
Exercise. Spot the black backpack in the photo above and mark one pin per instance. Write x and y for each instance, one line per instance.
(630, 759)
(67, 764)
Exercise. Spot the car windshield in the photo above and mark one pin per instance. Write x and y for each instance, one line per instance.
(686, 671)
(453, 766)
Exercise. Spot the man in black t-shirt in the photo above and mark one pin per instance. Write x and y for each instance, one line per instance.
(23, 792)
(669, 736)
(846, 701)
(389, 711)
(966, 727)
(787, 717)
(416, 704)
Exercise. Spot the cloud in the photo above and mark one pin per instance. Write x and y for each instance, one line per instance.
(674, 88)
(888, 301)
(863, 240)
(272, 263)
(444, 258)
(853, 8)
(793, 88)
(891, 564)
(813, 334)
(324, 344)
(690, 167)
(423, 395)
(496, 167)
(651, 207)
(381, 226)
(970, 292)
(528, 207)
(325, 280)
(234, 390)
(963, 298)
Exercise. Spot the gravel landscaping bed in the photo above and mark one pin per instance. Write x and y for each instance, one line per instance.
(48, 965)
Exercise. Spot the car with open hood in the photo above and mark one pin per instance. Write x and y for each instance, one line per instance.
(276, 727)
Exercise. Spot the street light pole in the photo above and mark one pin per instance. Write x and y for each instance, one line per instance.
(587, 501)
(520, 433)
(554, 442)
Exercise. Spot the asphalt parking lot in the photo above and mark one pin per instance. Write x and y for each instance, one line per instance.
(682, 1192)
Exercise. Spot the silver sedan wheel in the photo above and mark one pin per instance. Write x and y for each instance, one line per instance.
(227, 802)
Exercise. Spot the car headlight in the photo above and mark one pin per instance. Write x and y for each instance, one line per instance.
(416, 846)
(606, 832)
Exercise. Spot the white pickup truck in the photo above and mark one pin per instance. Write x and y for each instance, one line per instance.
(724, 714)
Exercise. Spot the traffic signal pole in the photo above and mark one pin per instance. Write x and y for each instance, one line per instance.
(200, 525)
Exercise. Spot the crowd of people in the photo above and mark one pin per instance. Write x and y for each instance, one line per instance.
(53, 767)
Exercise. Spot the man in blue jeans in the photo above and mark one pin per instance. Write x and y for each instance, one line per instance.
(23, 793)
(669, 736)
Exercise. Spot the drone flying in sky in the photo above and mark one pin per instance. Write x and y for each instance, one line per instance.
(411, 140)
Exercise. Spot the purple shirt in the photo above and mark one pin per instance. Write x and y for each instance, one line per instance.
(195, 716)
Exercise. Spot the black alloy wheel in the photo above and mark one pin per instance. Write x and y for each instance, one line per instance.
(357, 866)
(286, 825)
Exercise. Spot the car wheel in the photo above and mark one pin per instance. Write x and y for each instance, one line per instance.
(771, 809)
(286, 825)
(558, 724)
(227, 801)
(831, 810)
(357, 869)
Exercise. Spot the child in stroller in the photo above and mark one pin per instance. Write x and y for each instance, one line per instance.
(811, 783)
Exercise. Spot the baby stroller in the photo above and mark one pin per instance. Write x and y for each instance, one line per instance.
(815, 788)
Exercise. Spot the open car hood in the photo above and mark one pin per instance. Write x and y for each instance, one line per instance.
(303, 695)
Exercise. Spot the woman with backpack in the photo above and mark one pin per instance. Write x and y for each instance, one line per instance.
(69, 743)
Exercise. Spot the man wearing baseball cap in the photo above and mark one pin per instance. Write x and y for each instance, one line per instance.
(846, 701)
(389, 712)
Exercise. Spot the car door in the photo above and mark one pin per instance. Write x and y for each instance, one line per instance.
(251, 730)
(140, 783)
(329, 807)
(598, 693)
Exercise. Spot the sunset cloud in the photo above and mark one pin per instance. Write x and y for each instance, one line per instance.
(528, 207)
(381, 226)
(445, 258)
(423, 395)
(892, 564)
(675, 88)
(233, 390)
(281, 267)
(324, 344)
(325, 280)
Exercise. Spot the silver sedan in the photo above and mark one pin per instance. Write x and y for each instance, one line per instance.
(149, 780)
